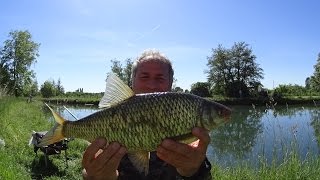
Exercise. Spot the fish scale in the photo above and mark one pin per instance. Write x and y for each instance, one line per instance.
(157, 115)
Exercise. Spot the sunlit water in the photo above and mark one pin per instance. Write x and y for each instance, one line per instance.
(254, 134)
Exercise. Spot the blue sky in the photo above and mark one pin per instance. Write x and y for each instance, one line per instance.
(79, 38)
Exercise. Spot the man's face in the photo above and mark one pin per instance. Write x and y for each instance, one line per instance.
(151, 76)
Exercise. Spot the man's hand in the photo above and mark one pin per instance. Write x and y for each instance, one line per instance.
(101, 161)
(187, 158)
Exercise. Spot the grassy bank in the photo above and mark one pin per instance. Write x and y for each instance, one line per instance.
(18, 161)
(291, 168)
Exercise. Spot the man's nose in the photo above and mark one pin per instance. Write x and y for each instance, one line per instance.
(153, 85)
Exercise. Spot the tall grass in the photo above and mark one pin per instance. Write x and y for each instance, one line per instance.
(291, 168)
(18, 161)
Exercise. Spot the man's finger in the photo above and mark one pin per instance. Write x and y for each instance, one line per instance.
(114, 161)
(92, 149)
(203, 136)
(107, 154)
(176, 147)
(173, 158)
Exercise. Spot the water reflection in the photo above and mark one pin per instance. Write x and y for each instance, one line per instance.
(268, 135)
(315, 123)
(239, 136)
(79, 111)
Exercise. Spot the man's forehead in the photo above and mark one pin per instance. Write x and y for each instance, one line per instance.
(155, 67)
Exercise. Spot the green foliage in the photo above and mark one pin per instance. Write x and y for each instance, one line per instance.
(31, 89)
(80, 97)
(3, 91)
(201, 89)
(127, 70)
(233, 72)
(177, 89)
(312, 85)
(174, 84)
(291, 90)
(124, 73)
(17, 55)
(59, 88)
(4, 76)
(315, 79)
(48, 89)
(117, 68)
(18, 161)
(308, 83)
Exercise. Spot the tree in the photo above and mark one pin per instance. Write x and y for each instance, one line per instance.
(127, 70)
(124, 73)
(217, 73)
(48, 89)
(315, 79)
(59, 88)
(201, 89)
(177, 89)
(4, 75)
(34, 89)
(290, 90)
(116, 68)
(174, 84)
(233, 72)
(30, 89)
(308, 83)
(17, 55)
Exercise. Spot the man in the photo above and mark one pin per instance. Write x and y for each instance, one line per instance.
(151, 72)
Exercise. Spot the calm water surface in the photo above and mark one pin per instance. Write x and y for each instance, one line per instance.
(254, 134)
(262, 134)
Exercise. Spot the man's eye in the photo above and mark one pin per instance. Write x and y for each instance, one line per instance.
(160, 79)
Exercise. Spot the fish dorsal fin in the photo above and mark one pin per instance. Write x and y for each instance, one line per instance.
(140, 160)
(116, 91)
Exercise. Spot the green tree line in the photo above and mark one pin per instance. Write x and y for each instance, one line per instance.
(231, 72)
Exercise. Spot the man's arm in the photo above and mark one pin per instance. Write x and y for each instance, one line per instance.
(101, 161)
(186, 158)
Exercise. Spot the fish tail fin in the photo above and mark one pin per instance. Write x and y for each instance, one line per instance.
(55, 134)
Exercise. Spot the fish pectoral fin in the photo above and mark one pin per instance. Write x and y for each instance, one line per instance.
(140, 160)
(116, 91)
